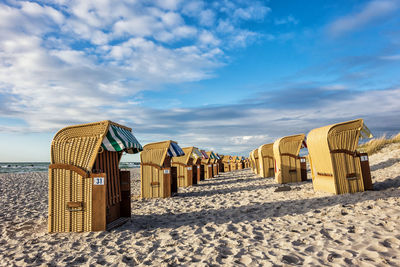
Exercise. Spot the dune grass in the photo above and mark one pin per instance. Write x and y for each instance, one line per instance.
(377, 144)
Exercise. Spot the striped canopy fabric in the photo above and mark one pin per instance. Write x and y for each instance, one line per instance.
(120, 139)
(205, 156)
(174, 150)
(213, 156)
(196, 153)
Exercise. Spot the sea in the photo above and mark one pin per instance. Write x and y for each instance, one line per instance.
(18, 167)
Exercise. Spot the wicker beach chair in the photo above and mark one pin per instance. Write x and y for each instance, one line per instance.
(187, 166)
(266, 158)
(87, 190)
(288, 168)
(336, 165)
(159, 179)
(207, 165)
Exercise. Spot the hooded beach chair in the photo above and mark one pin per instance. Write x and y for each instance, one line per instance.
(220, 163)
(196, 156)
(213, 162)
(234, 163)
(87, 190)
(266, 158)
(226, 163)
(158, 176)
(256, 161)
(336, 166)
(251, 158)
(184, 166)
(287, 160)
(206, 162)
(217, 163)
(188, 173)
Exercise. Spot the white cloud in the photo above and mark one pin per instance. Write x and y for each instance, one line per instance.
(78, 61)
(391, 57)
(257, 11)
(208, 38)
(288, 20)
(207, 17)
(370, 12)
(169, 4)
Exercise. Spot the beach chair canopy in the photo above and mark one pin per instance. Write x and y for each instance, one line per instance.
(328, 146)
(266, 150)
(185, 158)
(225, 159)
(335, 137)
(288, 145)
(255, 153)
(196, 153)
(79, 145)
(205, 156)
(155, 153)
(190, 153)
(119, 138)
(212, 155)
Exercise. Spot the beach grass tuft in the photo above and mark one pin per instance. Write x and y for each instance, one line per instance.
(377, 144)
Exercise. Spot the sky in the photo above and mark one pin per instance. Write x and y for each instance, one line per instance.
(224, 75)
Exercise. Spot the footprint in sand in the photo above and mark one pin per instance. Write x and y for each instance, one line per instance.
(292, 259)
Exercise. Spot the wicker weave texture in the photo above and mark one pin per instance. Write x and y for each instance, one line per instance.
(334, 165)
(286, 152)
(266, 158)
(78, 146)
(256, 161)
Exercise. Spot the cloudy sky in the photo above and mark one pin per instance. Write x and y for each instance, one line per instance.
(223, 75)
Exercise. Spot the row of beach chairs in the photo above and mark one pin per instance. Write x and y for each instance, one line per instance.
(88, 191)
(336, 165)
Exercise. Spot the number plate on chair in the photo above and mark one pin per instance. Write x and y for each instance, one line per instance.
(364, 158)
(198, 167)
(98, 180)
(189, 168)
(166, 171)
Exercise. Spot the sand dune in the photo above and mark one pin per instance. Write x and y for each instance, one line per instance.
(234, 219)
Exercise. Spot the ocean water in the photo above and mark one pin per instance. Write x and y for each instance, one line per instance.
(16, 167)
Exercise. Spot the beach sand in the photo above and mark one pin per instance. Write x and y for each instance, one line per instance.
(234, 219)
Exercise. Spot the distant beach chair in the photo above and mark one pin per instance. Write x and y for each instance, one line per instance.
(252, 161)
(233, 163)
(241, 163)
(246, 163)
(336, 166)
(226, 163)
(256, 161)
(184, 167)
(266, 158)
(220, 163)
(196, 156)
(207, 165)
(213, 162)
(87, 190)
(158, 176)
(287, 161)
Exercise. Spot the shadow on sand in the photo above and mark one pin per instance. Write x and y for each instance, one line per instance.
(259, 211)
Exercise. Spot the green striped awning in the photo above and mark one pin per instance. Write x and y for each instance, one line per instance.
(120, 139)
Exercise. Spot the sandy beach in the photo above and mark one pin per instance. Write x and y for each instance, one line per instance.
(234, 219)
